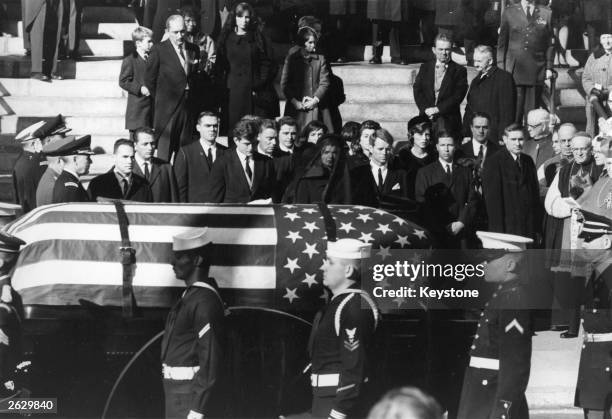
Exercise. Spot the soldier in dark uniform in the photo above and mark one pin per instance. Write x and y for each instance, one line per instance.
(192, 347)
(594, 388)
(29, 167)
(341, 336)
(75, 154)
(12, 366)
(525, 49)
(500, 358)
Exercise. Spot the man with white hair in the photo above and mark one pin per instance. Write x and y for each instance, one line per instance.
(539, 146)
(492, 91)
(564, 155)
(342, 334)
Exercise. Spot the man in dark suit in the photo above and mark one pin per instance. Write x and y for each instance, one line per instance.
(481, 144)
(241, 175)
(132, 80)
(157, 172)
(120, 182)
(43, 23)
(194, 162)
(445, 191)
(171, 79)
(76, 155)
(492, 91)
(525, 49)
(510, 188)
(440, 87)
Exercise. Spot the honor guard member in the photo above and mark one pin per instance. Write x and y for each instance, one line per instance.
(192, 346)
(76, 155)
(12, 366)
(594, 387)
(342, 334)
(29, 167)
(500, 358)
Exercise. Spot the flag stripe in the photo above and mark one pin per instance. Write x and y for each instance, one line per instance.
(138, 233)
(106, 251)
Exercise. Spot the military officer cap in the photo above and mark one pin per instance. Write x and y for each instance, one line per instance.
(417, 120)
(495, 245)
(9, 210)
(9, 243)
(69, 146)
(28, 133)
(191, 239)
(55, 126)
(349, 249)
(594, 226)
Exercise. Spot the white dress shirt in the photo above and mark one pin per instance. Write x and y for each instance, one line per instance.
(374, 167)
(445, 164)
(213, 148)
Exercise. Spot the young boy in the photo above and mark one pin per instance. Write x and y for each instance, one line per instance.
(131, 79)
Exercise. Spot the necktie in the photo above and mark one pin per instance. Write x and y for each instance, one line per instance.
(146, 56)
(480, 152)
(448, 172)
(124, 185)
(147, 174)
(247, 169)
(518, 162)
(529, 12)
(181, 52)
(209, 156)
(380, 180)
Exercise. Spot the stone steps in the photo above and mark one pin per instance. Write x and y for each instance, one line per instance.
(76, 89)
(94, 125)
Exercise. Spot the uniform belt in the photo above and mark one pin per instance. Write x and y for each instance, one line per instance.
(485, 363)
(324, 380)
(598, 337)
(179, 373)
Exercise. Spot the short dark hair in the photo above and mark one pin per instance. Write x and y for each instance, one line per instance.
(443, 37)
(268, 124)
(120, 142)
(328, 140)
(287, 120)
(369, 124)
(143, 130)
(480, 115)
(313, 125)
(382, 134)
(304, 33)
(443, 133)
(246, 129)
(513, 128)
(207, 113)
(350, 132)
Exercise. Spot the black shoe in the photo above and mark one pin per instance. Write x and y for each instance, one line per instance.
(559, 327)
(376, 60)
(56, 76)
(398, 61)
(568, 335)
(39, 76)
(341, 60)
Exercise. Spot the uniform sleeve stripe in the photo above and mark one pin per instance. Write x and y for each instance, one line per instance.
(337, 415)
(204, 330)
(350, 386)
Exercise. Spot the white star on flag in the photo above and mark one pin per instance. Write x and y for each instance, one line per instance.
(310, 280)
(345, 211)
(380, 212)
(311, 249)
(383, 228)
(366, 237)
(309, 210)
(384, 252)
(292, 216)
(402, 240)
(347, 227)
(292, 265)
(420, 234)
(360, 207)
(399, 220)
(364, 217)
(294, 235)
(291, 294)
(310, 227)
(289, 206)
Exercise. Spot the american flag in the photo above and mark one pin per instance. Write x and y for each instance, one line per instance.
(266, 256)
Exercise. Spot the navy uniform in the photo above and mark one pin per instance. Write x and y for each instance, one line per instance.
(339, 345)
(594, 387)
(68, 187)
(53, 130)
(525, 49)
(500, 357)
(28, 168)
(192, 347)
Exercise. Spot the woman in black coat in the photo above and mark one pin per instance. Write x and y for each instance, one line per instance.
(244, 61)
(305, 81)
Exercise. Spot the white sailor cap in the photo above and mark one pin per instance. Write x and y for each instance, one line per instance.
(349, 249)
(28, 133)
(190, 239)
(503, 241)
(10, 210)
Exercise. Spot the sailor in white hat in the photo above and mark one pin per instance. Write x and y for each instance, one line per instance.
(192, 344)
(500, 356)
(342, 334)
(29, 167)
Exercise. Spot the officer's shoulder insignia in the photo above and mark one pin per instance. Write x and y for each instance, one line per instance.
(514, 324)
(71, 184)
(351, 343)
